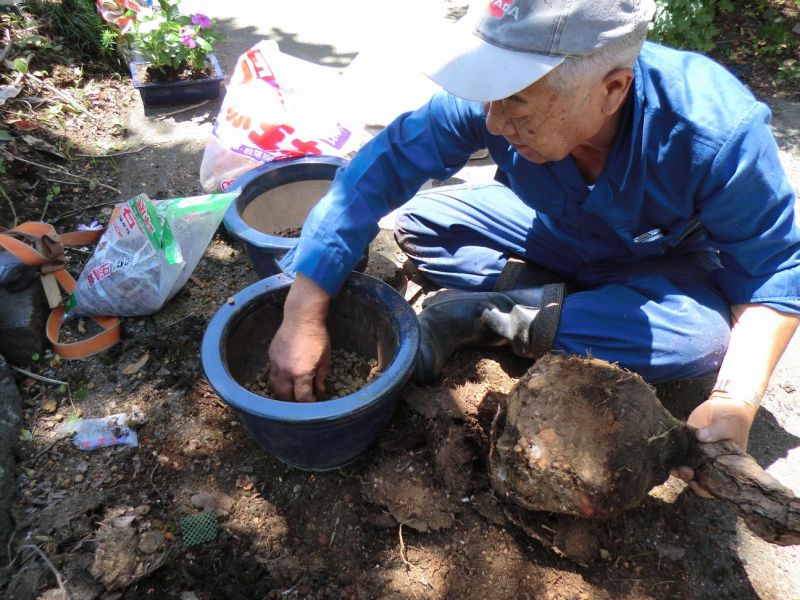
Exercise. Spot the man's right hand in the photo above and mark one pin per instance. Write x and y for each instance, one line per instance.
(300, 352)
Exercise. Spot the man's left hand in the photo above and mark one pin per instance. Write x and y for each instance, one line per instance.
(721, 417)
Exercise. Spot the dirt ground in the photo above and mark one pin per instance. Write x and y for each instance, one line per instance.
(414, 517)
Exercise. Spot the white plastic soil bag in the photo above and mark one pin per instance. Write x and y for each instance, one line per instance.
(276, 106)
(146, 255)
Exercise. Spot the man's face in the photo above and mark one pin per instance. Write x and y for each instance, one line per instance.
(544, 124)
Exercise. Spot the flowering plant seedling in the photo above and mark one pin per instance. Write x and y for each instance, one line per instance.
(170, 41)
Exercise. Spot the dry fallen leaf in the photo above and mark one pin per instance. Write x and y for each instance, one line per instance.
(244, 482)
(22, 124)
(134, 368)
(9, 91)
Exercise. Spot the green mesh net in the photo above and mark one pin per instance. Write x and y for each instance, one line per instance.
(199, 528)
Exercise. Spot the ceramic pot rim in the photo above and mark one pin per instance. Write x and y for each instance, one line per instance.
(233, 220)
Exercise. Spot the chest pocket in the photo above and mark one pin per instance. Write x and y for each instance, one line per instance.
(657, 240)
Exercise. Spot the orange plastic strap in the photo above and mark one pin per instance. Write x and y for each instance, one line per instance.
(35, 232)
(84, 348)
(24, 252)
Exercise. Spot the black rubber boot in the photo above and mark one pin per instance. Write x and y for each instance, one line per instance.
(525, 318)
(518, 274)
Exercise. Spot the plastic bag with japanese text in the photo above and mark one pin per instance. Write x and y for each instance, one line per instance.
(146, 255)
(276, 106)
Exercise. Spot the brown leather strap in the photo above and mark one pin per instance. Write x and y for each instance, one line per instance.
(38, 244)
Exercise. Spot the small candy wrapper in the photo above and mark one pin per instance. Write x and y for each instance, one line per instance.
(89, 434)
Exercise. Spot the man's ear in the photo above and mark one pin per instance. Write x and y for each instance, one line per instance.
(615, 89)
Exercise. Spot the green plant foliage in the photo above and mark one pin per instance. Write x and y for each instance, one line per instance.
(77, 24)
(20, 65)
(687, 24)
(171, 41)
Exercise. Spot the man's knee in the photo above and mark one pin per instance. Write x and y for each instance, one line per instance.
(407, 232)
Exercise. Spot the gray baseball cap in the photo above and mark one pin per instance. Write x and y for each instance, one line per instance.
(502, 46)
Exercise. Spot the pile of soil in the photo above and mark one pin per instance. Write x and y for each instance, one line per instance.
(289, 232)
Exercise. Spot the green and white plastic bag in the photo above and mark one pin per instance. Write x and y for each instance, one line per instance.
(146, 255)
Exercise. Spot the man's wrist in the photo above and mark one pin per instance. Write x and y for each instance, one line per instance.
(748, 395)
(306, 301)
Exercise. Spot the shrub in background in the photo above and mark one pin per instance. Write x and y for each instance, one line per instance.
(687, 24)
(78, 26)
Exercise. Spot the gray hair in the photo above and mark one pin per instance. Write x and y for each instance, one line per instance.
(579, 70)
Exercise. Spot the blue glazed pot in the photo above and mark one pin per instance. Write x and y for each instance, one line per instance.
(178, 92)
(270, 202)
(367, 316)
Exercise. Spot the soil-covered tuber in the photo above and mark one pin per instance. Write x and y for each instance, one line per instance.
(583, 437)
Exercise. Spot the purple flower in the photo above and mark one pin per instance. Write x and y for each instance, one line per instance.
(201, 20)
(187, 37)
(94, 225)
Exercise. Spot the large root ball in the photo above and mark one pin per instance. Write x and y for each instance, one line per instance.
(581, 437)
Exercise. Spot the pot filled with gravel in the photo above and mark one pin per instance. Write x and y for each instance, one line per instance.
(274, 202)
(374, 336)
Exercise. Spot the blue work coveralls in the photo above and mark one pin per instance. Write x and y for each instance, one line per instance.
(692, 213)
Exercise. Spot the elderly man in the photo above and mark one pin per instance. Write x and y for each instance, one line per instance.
(640, 213)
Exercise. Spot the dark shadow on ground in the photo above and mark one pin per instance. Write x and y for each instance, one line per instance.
(239, 40)
(769, 442)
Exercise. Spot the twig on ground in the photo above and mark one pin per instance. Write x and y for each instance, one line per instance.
(77, 211)
(13, 210)
(358, 478)
(79, 544)
(47, 380)
(61, 170)
(47, 200)
(61, 94)
(7, 47)
(181, 110)
(403, 548)
(36, 397)
(333, 535)
(113, 154)
(49, 447)
(29, 101)
(155, 488)
(39, 377)
(669, 582)
(8, 547)
(51, 180)
(59, 578)
(175, 185)
(175, 322)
